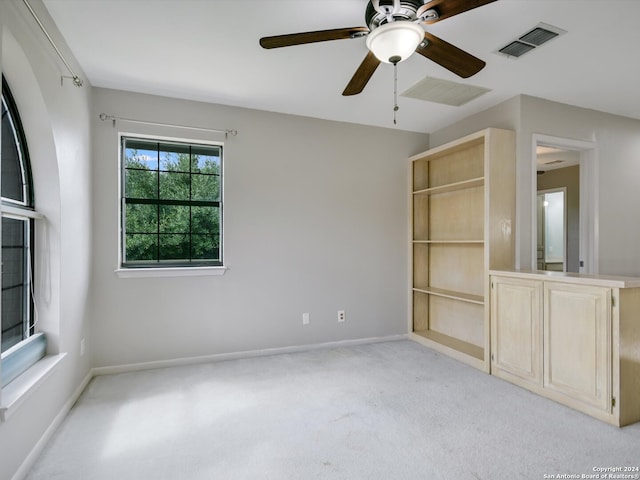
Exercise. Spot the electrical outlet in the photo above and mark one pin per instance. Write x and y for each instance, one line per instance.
(305, 319)
(341, 316)
(82, 347)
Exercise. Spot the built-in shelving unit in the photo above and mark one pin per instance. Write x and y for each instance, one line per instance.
(463, 217)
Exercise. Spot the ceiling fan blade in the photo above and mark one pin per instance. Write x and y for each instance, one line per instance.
(449, 8)
(362, 75)
(278, 41)
(450, 57)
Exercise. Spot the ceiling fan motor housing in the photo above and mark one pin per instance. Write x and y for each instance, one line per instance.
(406, 11)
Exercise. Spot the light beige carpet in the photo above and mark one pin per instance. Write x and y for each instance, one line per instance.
(394, 410)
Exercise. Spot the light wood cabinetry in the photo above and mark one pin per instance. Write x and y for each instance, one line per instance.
(577, 340)
(516, 330)
(572, 338)
(463, 212)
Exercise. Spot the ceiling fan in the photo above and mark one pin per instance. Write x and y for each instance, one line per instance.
(393, 33)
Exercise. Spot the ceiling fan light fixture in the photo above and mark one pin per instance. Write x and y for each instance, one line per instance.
(396, 41)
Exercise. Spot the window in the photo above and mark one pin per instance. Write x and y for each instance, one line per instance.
(17, 228)
(171, 205)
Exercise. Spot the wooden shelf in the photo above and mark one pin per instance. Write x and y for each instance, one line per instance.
(440, 292)
(453, 242)
(465, 143)
(463, 196)
(453, 343)
(450, 187)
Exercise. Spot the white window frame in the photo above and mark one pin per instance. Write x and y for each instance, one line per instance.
(166, 271)
(21, 210)
(31, 370)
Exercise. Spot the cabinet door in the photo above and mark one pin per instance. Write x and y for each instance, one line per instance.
(577, 343)
(516, 340)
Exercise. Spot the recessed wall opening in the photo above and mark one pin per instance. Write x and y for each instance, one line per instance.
(569, 166)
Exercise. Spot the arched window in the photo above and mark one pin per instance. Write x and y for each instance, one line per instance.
(18, 319)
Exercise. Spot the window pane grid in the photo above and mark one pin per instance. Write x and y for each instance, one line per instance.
(16, 190)
(178, 187)
(204, 174)
(14, 184)
(16, 299)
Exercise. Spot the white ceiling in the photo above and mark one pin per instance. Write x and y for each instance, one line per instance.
(208, 50)
(552, 158)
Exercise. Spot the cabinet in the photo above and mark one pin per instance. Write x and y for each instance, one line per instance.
(516, 329)
(570, 337)
(577, 354)
(463, 197)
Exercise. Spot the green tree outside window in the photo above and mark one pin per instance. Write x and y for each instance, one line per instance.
(171, 203)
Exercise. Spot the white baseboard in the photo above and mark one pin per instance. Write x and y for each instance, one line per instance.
(133, 367)
(38, 447)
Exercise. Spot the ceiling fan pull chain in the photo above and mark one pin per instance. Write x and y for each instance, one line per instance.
(395, 91)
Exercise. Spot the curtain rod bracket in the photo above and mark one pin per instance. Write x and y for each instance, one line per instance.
(104, 116)
(77, 81)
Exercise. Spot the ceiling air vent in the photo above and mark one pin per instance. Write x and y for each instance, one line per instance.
(540, 34)
(516, 49)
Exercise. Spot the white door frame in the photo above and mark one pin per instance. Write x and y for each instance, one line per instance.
(589, 221)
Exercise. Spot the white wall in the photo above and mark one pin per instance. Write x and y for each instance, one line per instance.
(618, 140)
(316, 220)
(56, 122)
(618, 168)
(504, 115)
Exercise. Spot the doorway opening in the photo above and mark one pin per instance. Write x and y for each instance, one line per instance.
(552, 230)
(565, 231)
